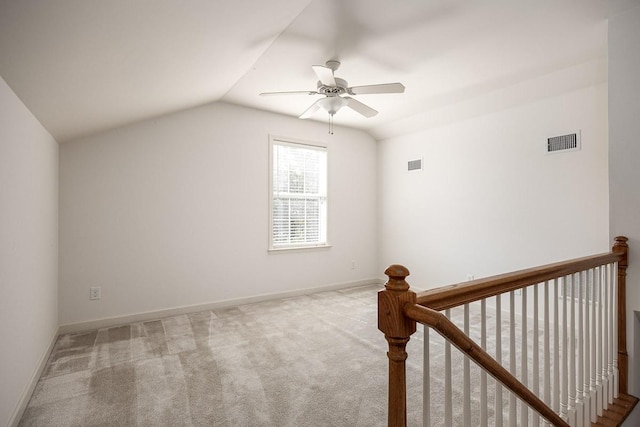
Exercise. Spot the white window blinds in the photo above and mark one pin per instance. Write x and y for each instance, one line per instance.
(299, 195)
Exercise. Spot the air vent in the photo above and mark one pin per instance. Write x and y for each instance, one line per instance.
(414, 165)
(568, 142)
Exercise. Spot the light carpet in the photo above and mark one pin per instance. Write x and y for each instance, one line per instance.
(315, 360)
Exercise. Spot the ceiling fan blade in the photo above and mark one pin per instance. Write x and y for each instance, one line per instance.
(381, 88)
(311, 110)
(325, 75)
(359, 107)
(294, 92)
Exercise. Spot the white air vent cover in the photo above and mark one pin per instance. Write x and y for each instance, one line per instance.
(414, 165)
(568, 142)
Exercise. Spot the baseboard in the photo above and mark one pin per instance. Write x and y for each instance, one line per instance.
(176, 311)
(33, 382)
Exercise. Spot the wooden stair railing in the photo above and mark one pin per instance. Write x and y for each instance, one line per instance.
(399, 309)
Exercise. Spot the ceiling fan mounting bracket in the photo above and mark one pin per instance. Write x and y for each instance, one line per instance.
(332, 64)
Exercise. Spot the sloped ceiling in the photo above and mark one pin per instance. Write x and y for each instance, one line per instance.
(83, 66)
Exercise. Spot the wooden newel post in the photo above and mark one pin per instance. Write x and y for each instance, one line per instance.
(623, 357)
(397, 330)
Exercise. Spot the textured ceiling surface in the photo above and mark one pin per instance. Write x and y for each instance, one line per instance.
(83, 66)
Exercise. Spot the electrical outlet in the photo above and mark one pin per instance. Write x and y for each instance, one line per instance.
(470, 277)
(353, 264)
(94, 293)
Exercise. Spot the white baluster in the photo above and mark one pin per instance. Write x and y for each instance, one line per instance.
(593, 384)
(466, 394)
(536, 352)
(564, 398)
(572, 352)
(426, 381)
(599, 343)
(484, 413)
(547, 349)
(605, 339)
(512, 355)
(498, 396)
(580, 369)
(524, 373)
(614, 304)
(556, 346)
(612, 329)
(448, 412)
(587, 348)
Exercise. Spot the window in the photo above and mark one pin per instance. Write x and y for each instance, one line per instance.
(298, 202)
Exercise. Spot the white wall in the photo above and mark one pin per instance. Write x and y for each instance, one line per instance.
(624, 159)
(490, 199)
(173, 212)
(28, 250)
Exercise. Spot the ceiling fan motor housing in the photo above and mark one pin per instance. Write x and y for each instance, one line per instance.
(340, 88)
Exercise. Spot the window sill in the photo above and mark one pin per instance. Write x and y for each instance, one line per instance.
(298, 249)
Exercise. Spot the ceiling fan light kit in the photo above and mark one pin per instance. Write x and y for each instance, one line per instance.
(333, 88)
(333, 103)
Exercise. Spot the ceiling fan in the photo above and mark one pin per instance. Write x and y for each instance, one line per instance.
(333, 88)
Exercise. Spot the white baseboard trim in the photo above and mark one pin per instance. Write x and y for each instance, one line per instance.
(33, 382)
(176, 311)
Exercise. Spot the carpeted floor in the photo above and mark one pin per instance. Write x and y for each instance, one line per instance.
(315, 360)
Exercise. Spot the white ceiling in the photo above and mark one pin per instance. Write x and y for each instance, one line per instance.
(83, 66)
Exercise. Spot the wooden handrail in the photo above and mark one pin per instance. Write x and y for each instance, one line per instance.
(455, 336)
(463, 293)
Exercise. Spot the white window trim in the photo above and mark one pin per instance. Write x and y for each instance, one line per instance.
(297, 246)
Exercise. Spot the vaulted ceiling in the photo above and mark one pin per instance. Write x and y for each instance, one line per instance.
(83, 66)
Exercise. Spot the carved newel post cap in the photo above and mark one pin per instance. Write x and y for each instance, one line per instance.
(621, 247)
(621, 241)
(397, 274)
